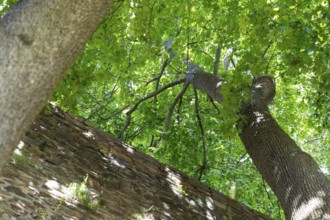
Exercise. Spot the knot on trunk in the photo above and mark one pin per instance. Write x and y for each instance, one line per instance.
(263, 90)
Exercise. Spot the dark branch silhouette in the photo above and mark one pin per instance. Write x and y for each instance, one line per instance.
(129, 113)
(200, 124)
(170, 113)
(217, 61)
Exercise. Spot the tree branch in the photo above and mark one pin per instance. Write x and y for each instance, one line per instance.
(178, 111)
(203, 166)
(170, 113)
(232, 62)
(160, 75)
(166, 62)
(267, 48)
(113, 114)
(137, 132)
(240, 159)
(217, 61)
(313, 139)
(270, 59)
(129, 113)
(214, 105)
(206, 82)
(265, 188)
(106, 97)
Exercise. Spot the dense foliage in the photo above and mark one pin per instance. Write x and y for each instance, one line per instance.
(141, 47)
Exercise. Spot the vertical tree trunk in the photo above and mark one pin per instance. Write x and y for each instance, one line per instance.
(40, 40)
(297, 181)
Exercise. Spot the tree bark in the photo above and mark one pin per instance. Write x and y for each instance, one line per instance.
(294, 176)
(298, 183)
(206, 82)
(39, 42)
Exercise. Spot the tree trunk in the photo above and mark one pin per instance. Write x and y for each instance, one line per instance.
(121, 183)
(297, 181)
(39, 42)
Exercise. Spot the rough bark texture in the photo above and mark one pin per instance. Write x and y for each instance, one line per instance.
(39, 42)
(59, 150)
(206, 82)
(298, 183)
(293, 175)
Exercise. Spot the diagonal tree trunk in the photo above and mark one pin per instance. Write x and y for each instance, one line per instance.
(297, 181)
(39, 42)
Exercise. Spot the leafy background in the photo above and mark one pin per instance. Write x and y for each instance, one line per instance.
(287, 39)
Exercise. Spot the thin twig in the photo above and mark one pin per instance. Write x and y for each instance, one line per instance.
(127, 123)
(178, 111)
(171, 109)
(136, 133)
(188, 33)
(114, 11)
(114, 113)
(152, 140)
(170, 113)
(101, 105)
(270, 59)
(279, 208)
(268, 195)
(166, 62)
(129, 113)
(232, 62)
(267, 48)
(202, 134)
(217, 61)
(240, 159)
(160, 76)
(313, 139)
(214, 105)
(206, 53)
(151, 80)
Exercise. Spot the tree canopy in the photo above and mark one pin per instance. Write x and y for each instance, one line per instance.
(144, 46)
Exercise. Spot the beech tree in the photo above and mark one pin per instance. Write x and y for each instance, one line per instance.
(39, 42)
(127, 82)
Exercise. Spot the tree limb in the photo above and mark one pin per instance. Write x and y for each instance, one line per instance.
(129, 113)
(160, 75)
(178, 111)
(267, 48)
(206, 82)
(232, 62)
(170, 113)
(217, 61)
(113, 114)
(166, 62)
(240, 159)
(200, 124)
(265, 188)
(106, 97)
(214, 105)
